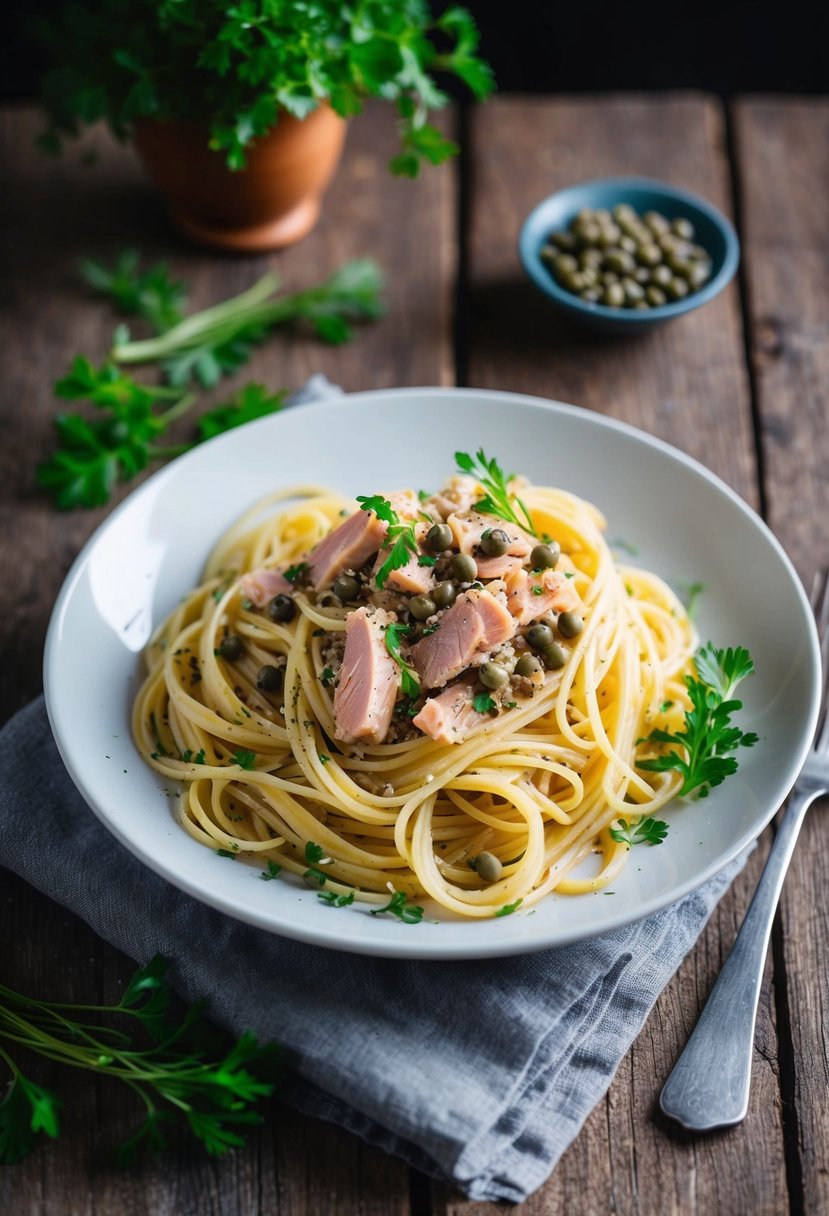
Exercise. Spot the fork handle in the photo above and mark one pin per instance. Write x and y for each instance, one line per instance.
(709, 1085)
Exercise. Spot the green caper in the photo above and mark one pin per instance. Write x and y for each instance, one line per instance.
(649, 254)
(492, 675)
(346, 587)
(591, 294)
(545, 557)
(642, 275)
(444, 594)
(668, 242)
(589, 233)
(281, 608)
(609, 277)
(638, 305)
(679, 265)
(269, 678)
(539, 636)
(422, 607)
(614, 295)
(570, 624)
(628, 244)
(464, 567)
(619, 261)
(494, 542)
(677, 289)
(700, 274)
(565, 263)
(683, 228)
(656, 222)
(553, 656)
(661, 275)
(655, 296)
(623, 211)
(232, 647)
(633, 291)
(575, 282)
(590, 258)
(611, 234)
(564, 240)
(487, 866)
(438, 538)
(548, 254)
(698, 254)
(589, 277)
(527, 665)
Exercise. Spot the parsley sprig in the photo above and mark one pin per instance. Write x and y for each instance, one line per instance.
(398, 905)
(647, 831)
(497, 501)
(409, 683)
(181, 1071)
(400, 541)
(150, 294)
(708, 737)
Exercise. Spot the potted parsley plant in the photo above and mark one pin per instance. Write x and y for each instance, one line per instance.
(238, 107)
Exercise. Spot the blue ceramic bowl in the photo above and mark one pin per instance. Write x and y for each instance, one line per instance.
(713, 232)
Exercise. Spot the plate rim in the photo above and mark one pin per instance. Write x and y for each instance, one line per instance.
(408, 947)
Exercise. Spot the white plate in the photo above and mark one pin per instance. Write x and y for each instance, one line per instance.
(686, 524)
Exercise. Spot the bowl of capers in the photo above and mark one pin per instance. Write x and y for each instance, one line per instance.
(622, 254)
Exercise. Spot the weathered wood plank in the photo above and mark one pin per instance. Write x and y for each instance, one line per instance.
(54, 212)
(783, 157)
(686, 382)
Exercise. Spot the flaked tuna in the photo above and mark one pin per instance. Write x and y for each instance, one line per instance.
(459, 494)
(450, 716)
(369, 680)
(530, 596)
(475, 624)
(469, 526)
(348, 547)
(260, 586)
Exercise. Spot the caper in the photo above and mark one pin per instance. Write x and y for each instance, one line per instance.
(649, 254)
(281, 608)
(677, 289)
(492, 675)
(619, 261)
(628, 244)
(494, 542)
(609, 277)
(539, 636)
(589, 233)
(683, 228)
(668, 241)
(590, 258)
(700, 274)
(655, 296)
(679, 265)
(345, 587)
(444, 594)
(464, 567)
(269, 678)
(487, 866)
(623, 211)
(589, 277)
(574, 281)
(438, 538)
(642, 275)
(553, 656)
(611, 234)
(591, 294)
(638, 305)
(656, 222)
(527, 665)
(697, 254)
(661, 276)
(570, 624)
(565, 263)
(564, 240)
(614, 295)
(633, 291)
(232, 647)
(422, 607)
(548, 254)
(545, 557)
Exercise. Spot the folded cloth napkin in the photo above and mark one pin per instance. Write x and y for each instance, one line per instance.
(478, 1072)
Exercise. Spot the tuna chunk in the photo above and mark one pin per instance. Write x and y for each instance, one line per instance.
(497, 567)
(459, 494)
(469, 526)
(449, 717)
(475, 624)
(557, 594)
(260, 586)
(348, 547)
(369, 679)
(411, 578)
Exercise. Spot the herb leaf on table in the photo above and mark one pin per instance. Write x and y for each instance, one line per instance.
(150, 294)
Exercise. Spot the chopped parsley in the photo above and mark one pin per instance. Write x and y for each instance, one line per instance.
(508, 909)
(426, 559)
(327, 676)
(409, 682)
(273, 871)
(410, 914)
(648, 831)
(323, 759)
(227, 853)
(334, 900)
(295, 572)
(244, 759)
(314, 853)
(483, 703)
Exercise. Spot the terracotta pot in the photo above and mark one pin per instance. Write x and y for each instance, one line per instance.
(271, 203)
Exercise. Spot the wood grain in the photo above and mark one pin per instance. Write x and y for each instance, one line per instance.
(686, 382)
(783, 157)
(53, 212)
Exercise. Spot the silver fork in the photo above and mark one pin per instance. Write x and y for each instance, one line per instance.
(709, 1085)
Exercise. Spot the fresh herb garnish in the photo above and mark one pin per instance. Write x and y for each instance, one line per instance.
(149, 294)
(425, 559)
(244, 759)
(400, 541)
(498, 501)
(409, 683)
(323, 759)
(227, 853)
(327, 676)
(690, 594)
(292, 574)
(410, 914)
(508, 909)
(274, 870)
(177, 1074)
(708, 735)
(647, 831)
(315, 853)
(483, 703)
(334, 900)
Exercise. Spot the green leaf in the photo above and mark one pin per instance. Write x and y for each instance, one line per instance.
(409, 683)
(251, 402)
(483, 703)
(334, 900)
(647, 831)
(26, 1110)
(410, 914)
(273, 871)
(508, 909)
(498, 500)
(245, 759)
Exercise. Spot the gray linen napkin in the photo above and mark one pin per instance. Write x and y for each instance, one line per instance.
(478, 1072)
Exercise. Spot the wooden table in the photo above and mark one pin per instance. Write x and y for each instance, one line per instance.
(740, 384)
